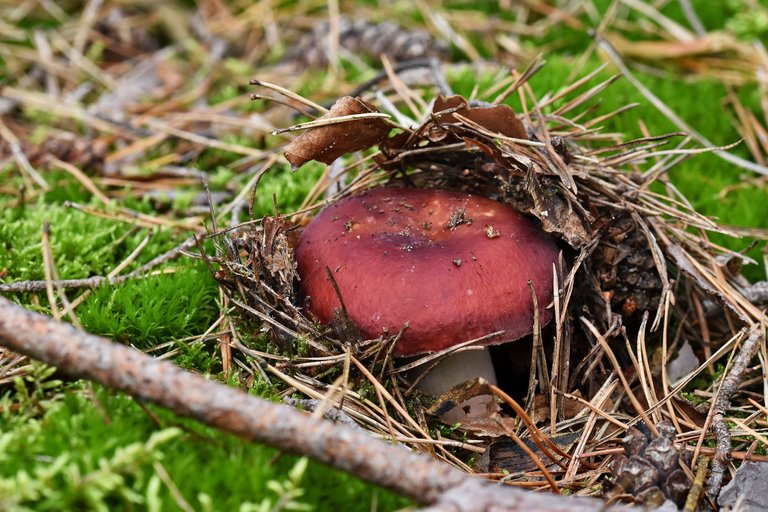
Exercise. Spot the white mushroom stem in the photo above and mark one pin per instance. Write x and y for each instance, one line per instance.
(458, 368)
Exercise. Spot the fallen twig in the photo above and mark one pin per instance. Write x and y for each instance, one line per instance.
(94, 281)
(728, 388)
(416, 476)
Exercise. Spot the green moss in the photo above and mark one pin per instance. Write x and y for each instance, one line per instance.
(146, 311)
(290, 188)
(63, 188)
(110, 464)
(82, 245)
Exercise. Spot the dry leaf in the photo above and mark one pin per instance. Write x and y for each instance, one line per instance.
(695, 413)
(683, 363)
(747, 489)
(327, 143)
(491, 426)
(556, 215)
(680, 257)
(497, 119)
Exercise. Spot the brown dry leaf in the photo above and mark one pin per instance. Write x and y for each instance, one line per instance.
(498, 119)
(556, 215)
(690, 411)
(327, 143)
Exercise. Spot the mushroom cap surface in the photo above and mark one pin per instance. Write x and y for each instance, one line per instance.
(451, 265)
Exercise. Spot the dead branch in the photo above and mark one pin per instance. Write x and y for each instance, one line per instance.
(722, 403)
(416, 476)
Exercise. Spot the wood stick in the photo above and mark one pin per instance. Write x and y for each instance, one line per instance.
(721, 404)
(95, 281)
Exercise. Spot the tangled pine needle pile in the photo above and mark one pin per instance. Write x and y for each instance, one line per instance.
(638, 282)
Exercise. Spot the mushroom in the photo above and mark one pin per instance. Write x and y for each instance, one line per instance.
(449, 265)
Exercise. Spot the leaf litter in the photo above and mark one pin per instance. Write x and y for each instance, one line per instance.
(327, 142)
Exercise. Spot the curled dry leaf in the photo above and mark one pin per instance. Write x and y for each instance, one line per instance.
(327, 143)
(681, 258)
(497, 119)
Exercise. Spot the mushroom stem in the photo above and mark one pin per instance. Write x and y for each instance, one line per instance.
(457, 368)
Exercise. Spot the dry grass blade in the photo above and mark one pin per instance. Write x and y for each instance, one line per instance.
(617, 367)
(735, 160)
(28, 172)
(290, 94)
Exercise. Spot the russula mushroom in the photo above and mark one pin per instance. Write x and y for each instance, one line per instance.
(449, 265)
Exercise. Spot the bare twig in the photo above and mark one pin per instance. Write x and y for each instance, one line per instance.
(722, 402)
(94, 281)
(80, 354)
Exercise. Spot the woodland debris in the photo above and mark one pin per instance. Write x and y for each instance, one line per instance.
(327, 143)
(746, 491)
(499, 119)
(628, 257)
(560, 170)
(650, 469)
